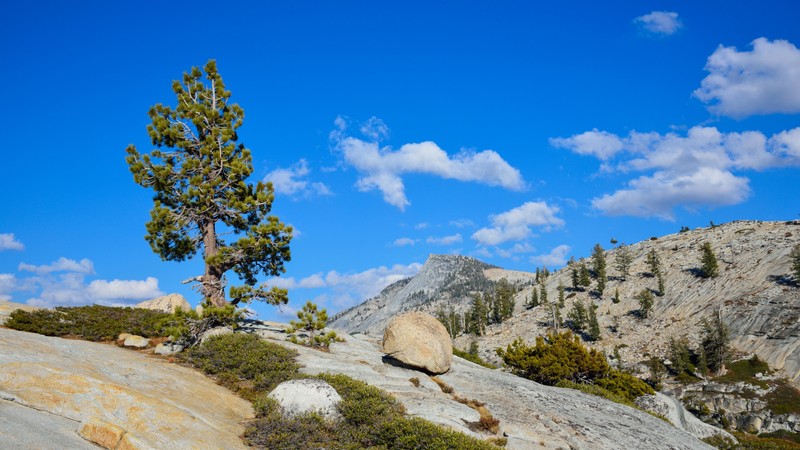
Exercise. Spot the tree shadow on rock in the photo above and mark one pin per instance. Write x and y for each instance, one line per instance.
(783, 280)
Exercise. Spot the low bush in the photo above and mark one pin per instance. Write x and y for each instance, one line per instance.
(472, 358)
(371, 418)
(244, 363)
(745, 371)
(93, 323)
(784, 399)
(751, 442)
(560, 357)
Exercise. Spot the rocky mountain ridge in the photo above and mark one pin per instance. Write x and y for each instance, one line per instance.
(443, 279)
(754, 295)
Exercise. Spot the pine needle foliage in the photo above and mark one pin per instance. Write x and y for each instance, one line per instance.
(198, 172)
(709, 268)
(311, 323)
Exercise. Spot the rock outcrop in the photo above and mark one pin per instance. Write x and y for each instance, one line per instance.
(55, 390)
(672, 409)
(304, 396)
(419, 340)
(531, 415)
(168, 303)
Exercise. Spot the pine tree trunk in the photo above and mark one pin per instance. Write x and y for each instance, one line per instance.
(213, 289)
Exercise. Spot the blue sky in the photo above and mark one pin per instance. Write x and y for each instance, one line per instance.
(518, 133)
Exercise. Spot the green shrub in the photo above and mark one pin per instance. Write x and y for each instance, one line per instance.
(412, 433)
(784, 399)
(624, 385)
(750, 442)
(561, 357)
(244, 363)
(371, 418)
(782, 434)
(745, 371)
(472, 358)
(93, 323)
(595, 390)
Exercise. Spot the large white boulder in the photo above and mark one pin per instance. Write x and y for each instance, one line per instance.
(304, 396)
(419, 340)
(168, 303)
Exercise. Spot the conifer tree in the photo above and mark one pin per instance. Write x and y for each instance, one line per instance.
(615, 299)
(577, 316)
(478, 315)
(708, 262)
(715, 339)
(645, 298)
(561, 297)
(653, 262)
(593, 327)
(542, 294)
(623, 260)
(794, 260)
(575, 276)
(534, 297)
(312, 321)
(198, 172)
(599, 267)
(585, 279)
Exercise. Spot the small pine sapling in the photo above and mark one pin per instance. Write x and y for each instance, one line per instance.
(312, 322)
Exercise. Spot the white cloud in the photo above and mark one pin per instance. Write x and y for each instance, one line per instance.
(515, 224)
(482, 252)
(62, 265)
(370, 282)
(765, 80)
(421, 226)
(293, 181)
(600, 144)
(8, 283)
(9, 242)
(124, 289)
(659, 22)
(557, 257)
(519, 247)
(349, 288)
(382, 168)
(403, 241)
(375, 129)
(659, 194)
(462, 223)
(444, 240)
(694, 170)
(63, 283)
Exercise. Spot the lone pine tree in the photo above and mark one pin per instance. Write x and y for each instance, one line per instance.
(199, 172)
(708, 262)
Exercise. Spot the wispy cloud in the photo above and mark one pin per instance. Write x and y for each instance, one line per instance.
(765, 80)
(516, 224)
(350, 288)
(9, 242)
(695, 170)
(382, 168)
(293, 181)
(403, 242)
(444, 240)
(462, 223)
(557, 257)
(61, 265)
(662, 23)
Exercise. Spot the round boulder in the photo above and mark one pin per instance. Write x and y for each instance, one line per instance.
(419, 340)
(304, 396)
